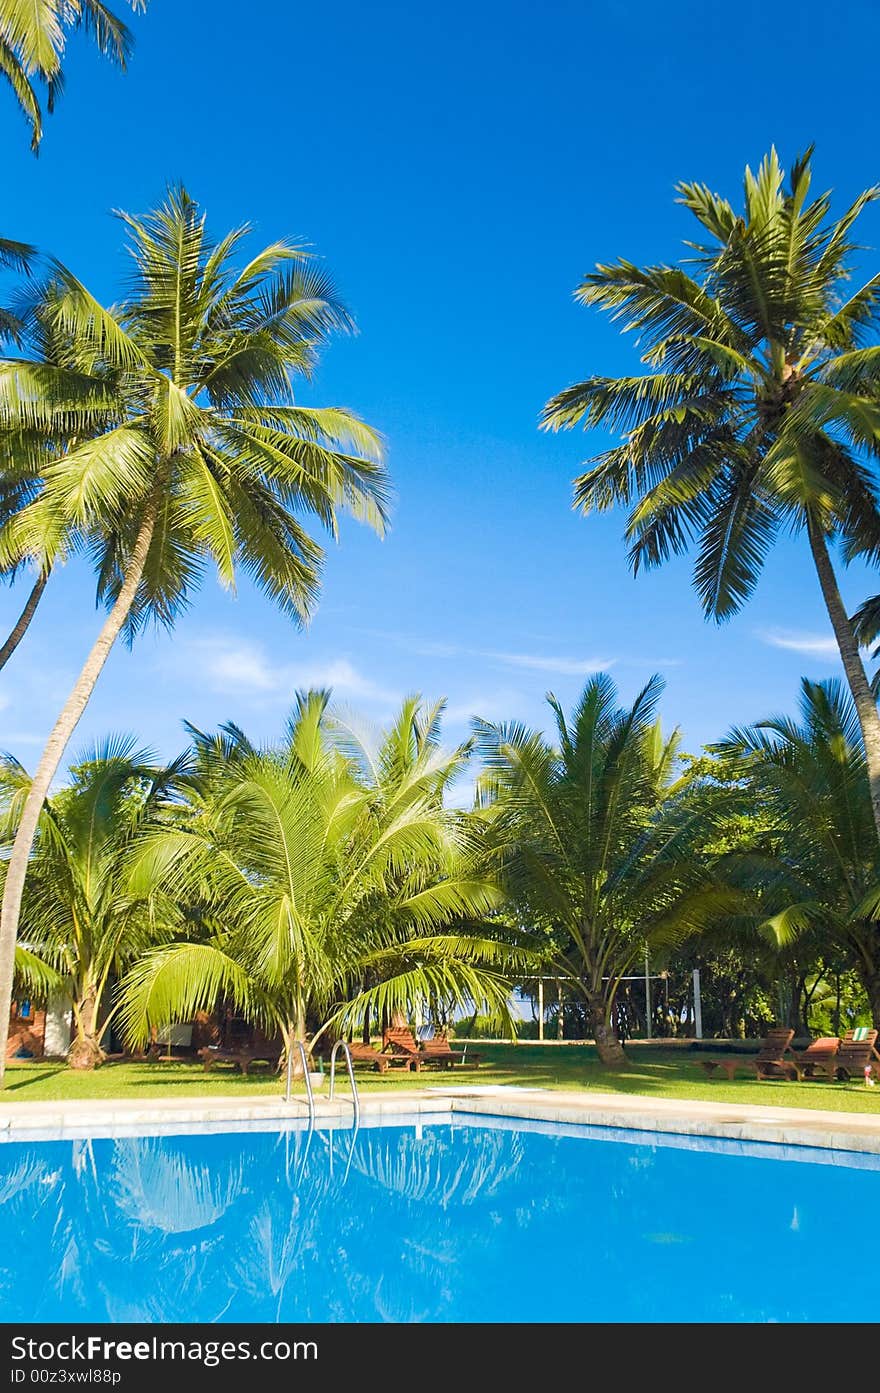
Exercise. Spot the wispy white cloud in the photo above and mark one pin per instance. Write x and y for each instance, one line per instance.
(538, 662)
(490, 706)
(649, 664)
(343, 677)
(229, 663)
(535, 662)
(438, 650)
(812, 645)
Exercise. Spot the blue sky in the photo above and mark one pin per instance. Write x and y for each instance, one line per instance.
(460, 168)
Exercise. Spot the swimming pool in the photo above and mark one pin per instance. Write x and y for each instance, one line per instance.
(447, 1218)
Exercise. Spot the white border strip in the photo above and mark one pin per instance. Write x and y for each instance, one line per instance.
(790, 1128)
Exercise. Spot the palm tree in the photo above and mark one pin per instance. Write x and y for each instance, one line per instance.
(759, 407)
(33, 37)
(16, 256)
(596, 841)
(325, 861)
(17, 449)
(77, 917)
(818, 878)
(34, 977)
(27, 445)
(196, 450)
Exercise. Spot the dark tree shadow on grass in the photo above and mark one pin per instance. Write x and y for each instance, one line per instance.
(32, 1079)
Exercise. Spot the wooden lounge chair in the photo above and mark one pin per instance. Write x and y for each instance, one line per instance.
(244, 1056)
(405, 1049)
(728, 1066)
(773, 1060)
(817, 1060)
(366, 1054)
(769, 1062)
(439, 1051)
(400, 1047)
(856, 1053)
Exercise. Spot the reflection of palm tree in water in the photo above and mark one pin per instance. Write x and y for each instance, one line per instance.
(311, 1248)
(283, 1236)
(28, 1197)
(169, 1192)
(168, 1206)
(42, 1197)
(174, 1207)
(425, 1182)
(145, 1229)
(25, 1175)
(417, 1168)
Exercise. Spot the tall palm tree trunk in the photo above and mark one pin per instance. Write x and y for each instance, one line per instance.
(863, 699)
(24, 619)
(48, 766)
(608, 1047)
(292, 1035)
(85, 1051)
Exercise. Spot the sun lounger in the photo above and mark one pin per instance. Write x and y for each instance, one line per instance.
(439, 1051)
(770, 1062)
(366, 1054)
(773, 1060)
(401, 1048)
(818, 1060)
(244, 1057)
(858, 1048)
(728, 1066)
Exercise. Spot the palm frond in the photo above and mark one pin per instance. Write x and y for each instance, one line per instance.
(173, 983)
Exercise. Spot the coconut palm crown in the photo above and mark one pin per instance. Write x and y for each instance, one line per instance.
(596, 841)
(185, 393)
(336, 887)
(758, 412)
(33, 37)
(78, 921)
(193, 451)
(818, 874)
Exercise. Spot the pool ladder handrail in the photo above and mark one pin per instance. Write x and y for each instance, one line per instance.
(310, 1096)
(355, 1099)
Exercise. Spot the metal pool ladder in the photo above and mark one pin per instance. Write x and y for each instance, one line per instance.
(298, 1045)
(355, 1100)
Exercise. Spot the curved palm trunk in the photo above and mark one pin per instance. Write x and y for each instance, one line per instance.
(291, 1054)
(608, 1047)
(293, 1033)
(48, 766)
(85, 1051)
(24, 619)
(857, 679)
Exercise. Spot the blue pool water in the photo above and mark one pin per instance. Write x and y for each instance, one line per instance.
(455, 1220)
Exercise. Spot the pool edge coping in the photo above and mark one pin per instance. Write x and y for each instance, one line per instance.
(820, 1129)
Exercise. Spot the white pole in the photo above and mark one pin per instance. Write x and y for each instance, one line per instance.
(540, 1008)
(648, 994)
(698, 1009)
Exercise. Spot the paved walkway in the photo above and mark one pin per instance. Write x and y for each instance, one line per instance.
(835, 1131)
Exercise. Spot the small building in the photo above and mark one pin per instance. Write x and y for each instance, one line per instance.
(39, 1031)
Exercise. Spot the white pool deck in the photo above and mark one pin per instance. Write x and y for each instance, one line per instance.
(833, 1131)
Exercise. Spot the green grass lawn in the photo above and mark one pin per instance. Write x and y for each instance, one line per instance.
(654, 1071)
